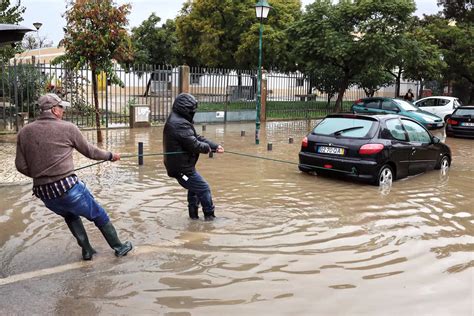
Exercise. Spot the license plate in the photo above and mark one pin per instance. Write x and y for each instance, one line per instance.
(467, 124)
(439, 124)
(331, 150)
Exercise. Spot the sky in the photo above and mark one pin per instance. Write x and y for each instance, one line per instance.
(49, 12)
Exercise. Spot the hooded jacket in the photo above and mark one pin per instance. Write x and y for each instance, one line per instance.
(179, 135)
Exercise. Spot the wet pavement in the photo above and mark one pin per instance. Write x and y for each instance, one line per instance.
(284, 242)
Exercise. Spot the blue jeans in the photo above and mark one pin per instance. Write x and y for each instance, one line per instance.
(198, 191)
(76, 202)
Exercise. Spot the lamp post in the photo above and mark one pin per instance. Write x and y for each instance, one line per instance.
(37, 26)
(261, 9)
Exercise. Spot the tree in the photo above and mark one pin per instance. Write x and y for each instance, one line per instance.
(349, 35)
(31, 41)
(225, 33)
(456, 45)
(154, 45)
(373, 79)
(9, 14)
(425, 62)
(95, 34)
(459, 10)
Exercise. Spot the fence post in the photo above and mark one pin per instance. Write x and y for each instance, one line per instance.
(183, 79)
(263, 100)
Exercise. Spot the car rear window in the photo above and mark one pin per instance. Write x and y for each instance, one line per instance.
(462, 112)
(345, 127)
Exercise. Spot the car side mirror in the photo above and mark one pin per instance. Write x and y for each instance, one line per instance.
(436, 140)
(397, 110)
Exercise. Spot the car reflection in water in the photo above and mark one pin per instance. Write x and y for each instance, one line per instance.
(373, 148)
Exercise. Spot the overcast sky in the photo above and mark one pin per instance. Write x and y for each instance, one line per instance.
(49, 12)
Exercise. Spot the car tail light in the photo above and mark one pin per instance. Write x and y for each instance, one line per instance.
(370, 149)
(304, 143)
(452, 122)
(327, 166)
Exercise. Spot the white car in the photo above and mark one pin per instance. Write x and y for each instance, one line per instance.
(438, 105)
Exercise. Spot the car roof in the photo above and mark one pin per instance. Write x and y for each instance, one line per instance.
(373, 117)
(438, 97)
(467, 107)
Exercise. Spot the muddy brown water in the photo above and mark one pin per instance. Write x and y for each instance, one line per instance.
(284, 243)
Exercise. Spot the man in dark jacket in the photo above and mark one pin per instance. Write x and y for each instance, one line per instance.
(44, 153)
(179, 135)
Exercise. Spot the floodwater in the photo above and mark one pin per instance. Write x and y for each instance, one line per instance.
(284, 243)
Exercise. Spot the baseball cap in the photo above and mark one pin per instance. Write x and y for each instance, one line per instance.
(50, 100)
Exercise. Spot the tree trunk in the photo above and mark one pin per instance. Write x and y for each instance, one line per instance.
(340, 96)
(397, 82)
(96, 104)
(420, 92)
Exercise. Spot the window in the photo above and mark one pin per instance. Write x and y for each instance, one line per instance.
(299, 82)
(416, 133)
(396, 130)
(457, 103)
(372, 104)
(429, 102)
(388, 105)
(442, 102)
(464, 112)
(347, 127)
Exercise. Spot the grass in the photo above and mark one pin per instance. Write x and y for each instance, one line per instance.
(289, 110)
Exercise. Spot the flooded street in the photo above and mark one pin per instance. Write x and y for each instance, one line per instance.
(283, 243)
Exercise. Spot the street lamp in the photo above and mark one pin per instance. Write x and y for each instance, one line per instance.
(261, 9)
(37, 26)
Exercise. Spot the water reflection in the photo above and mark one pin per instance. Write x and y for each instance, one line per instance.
(282, 238)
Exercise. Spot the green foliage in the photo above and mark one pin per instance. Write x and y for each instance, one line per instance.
(96, 34)
(456, 45)
(459, 10)
(9, 14)
(350, 35)
(373, 79)
(154, 44)
(224, 33)
(22, 84)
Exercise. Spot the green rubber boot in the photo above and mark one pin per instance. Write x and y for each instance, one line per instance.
(77, 229)
(110, 234)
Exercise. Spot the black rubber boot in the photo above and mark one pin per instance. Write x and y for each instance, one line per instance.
(193, 212)
(209, 216)
(110, 234)
(78, 231)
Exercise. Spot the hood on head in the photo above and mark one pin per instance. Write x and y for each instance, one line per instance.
(186, 105)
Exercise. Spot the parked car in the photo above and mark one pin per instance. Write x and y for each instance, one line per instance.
(374, 148)
(461, 122)
(440, 106)
(380, 105)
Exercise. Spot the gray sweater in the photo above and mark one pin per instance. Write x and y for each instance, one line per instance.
(45, 146)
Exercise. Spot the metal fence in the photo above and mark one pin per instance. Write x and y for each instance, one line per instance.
(21, 85)
(286, 96)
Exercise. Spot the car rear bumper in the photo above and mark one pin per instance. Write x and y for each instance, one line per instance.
(459, 131)
(350, 167)
(434, 125)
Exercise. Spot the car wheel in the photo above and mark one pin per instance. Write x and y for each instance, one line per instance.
(443, 163)
(385, 176)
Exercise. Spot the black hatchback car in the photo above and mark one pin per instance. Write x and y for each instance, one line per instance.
(461, 122)
(378, 148)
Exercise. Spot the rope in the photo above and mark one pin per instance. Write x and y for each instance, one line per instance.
(290, 162)
(229, 152)
(130, 156)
